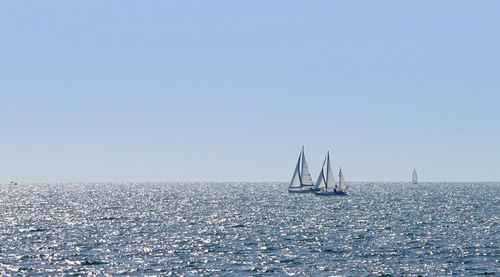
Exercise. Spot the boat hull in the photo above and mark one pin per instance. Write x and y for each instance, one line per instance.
(328, 193)
(300, 191)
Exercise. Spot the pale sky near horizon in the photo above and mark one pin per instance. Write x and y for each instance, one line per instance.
(230, 90)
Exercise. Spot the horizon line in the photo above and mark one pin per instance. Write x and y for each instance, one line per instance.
(246, 182)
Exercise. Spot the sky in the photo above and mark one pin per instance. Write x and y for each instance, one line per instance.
(98, 91)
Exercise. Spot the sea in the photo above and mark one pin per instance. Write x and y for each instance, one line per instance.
(249, 229)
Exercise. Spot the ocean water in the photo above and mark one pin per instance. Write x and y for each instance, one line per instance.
(378, 229)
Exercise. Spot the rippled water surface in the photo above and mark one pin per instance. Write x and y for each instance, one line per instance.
(249, 229)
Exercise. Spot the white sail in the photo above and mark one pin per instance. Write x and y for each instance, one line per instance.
(330, 179)
(304, 172)
(414, 177)
(296, 182)
(342, 184)
(321, 183)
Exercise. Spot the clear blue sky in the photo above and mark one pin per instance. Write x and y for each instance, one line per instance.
(230, 90)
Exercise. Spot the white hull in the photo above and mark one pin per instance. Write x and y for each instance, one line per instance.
(304, 189)
(300, 191)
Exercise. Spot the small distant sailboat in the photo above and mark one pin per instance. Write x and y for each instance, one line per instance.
(325, 185)
(342, 185)
(414, 177)
(301, 179)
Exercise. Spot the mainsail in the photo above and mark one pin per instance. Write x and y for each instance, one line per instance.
(305, 174)
(330, 179)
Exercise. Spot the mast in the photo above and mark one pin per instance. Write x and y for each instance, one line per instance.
(327, 166)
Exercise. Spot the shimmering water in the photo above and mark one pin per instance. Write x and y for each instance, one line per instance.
(248, 229)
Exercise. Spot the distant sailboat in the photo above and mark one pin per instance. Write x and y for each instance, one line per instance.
(342, 185)
(325, 185)
(414, 177)
(301, 179)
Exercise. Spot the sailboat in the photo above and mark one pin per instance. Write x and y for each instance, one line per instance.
(325, 185)
(342, 185)
(301, 179)
(414, 177)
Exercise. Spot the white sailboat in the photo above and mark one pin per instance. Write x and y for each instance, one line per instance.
(301, 179)
(326, 185)
(414, 177)
(342, 185)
